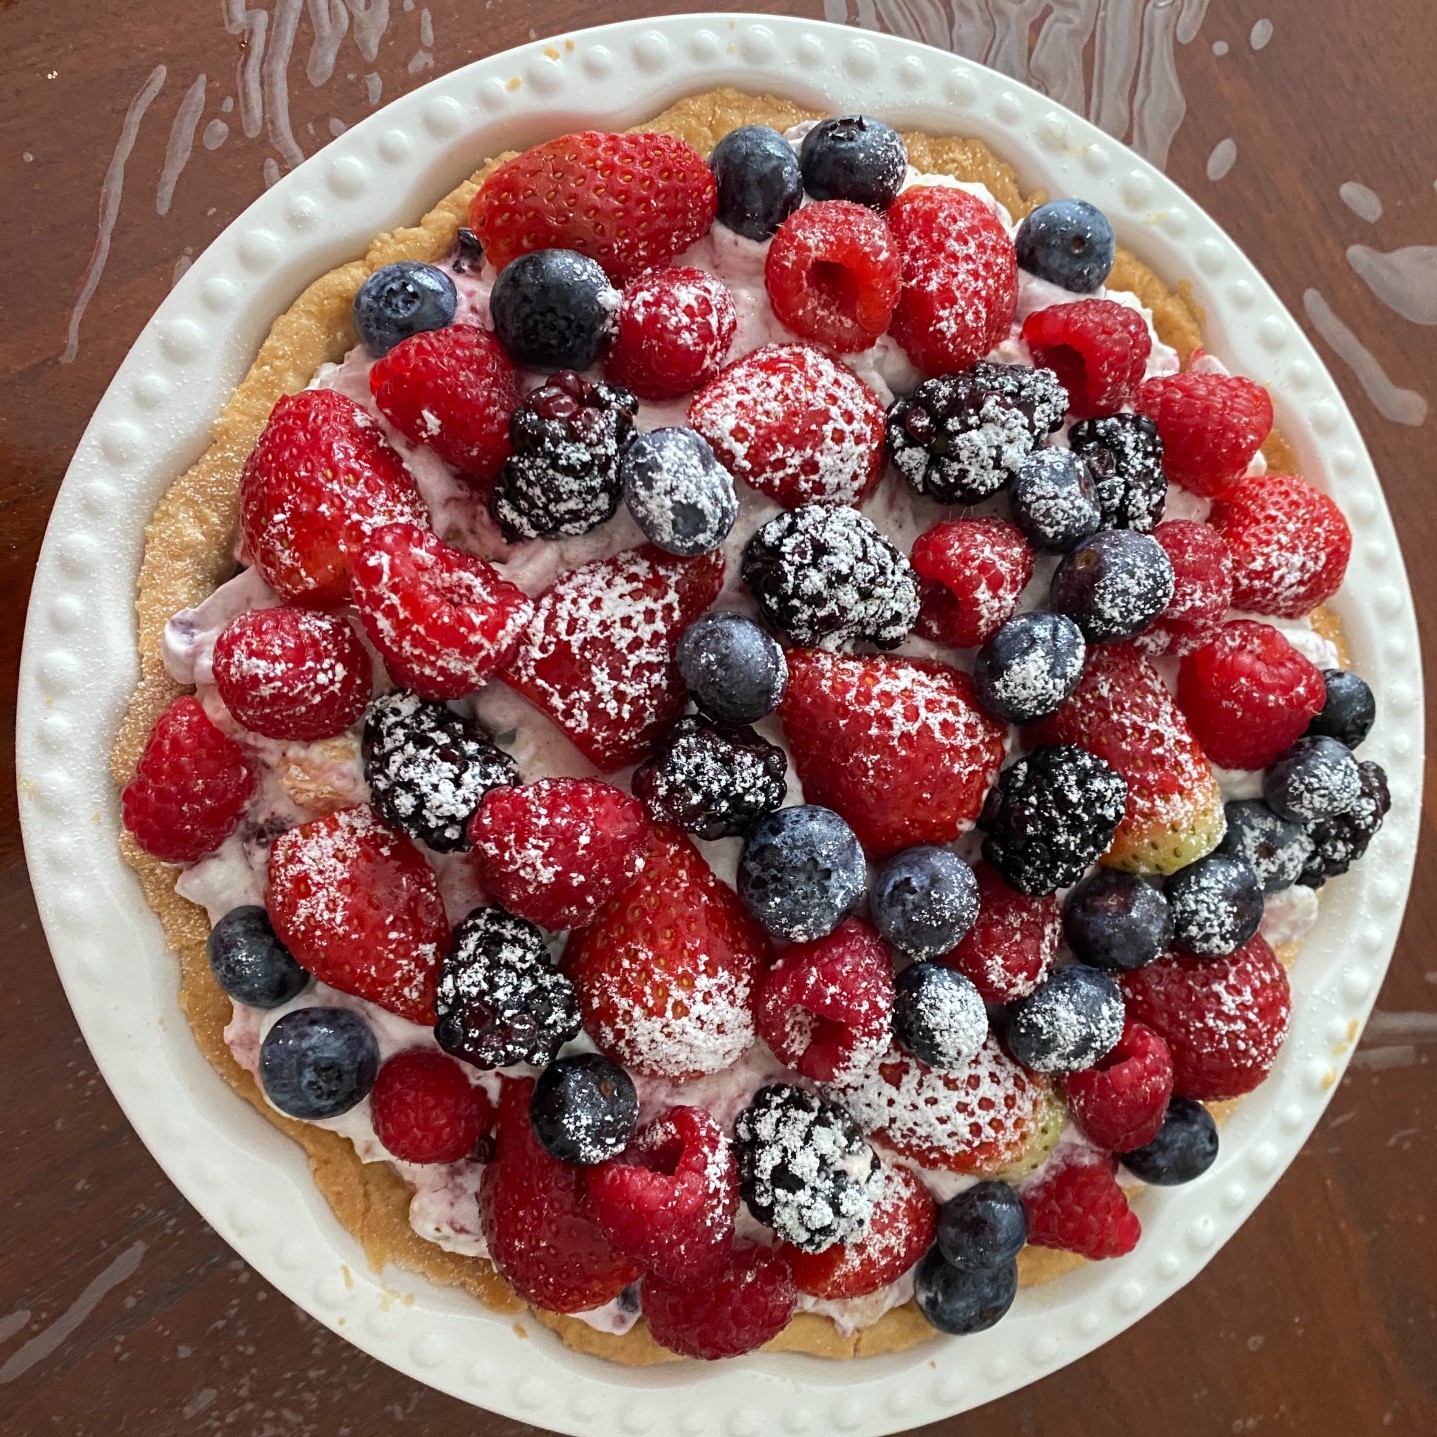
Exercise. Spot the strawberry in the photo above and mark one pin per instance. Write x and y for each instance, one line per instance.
(748, 1301)
(972, 572)
(1202, 589)
(1077, 1205)
(674, 330)
(1009, 949)
(425, 1109)
(1097, 347)
(1120, 1101)
(1211, 426)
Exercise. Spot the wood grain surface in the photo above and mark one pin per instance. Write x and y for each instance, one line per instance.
(1306, 126)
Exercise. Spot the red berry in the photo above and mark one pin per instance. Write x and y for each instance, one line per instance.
(1120, 1102)
(1097, 347)
(898, 747)
(960, 278)
(1202, 589)
(1009, 949)
(675, 327)
(1224, 1019)
(972, 572)
(796, 425)
(357, 905)
(1290, 545)
(556, 851)
(670, 1200)
(1211, 425)
(747, 1302)
(832, 275)
(318, 483)
(292, 673)
(190, 786)
(1248, 694)
(442, 620)
(451, 389)
(826, 1007)
(598, 657)
(629, 201)
(425, 1109)
(531, 1211)
(1076, 1204)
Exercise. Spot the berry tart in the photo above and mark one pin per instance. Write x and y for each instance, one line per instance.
(736, 734)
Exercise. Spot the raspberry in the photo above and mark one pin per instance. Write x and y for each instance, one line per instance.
(318, 483)
(360, 909)
(972, 572)
(441, 620)
(1224, 1019)
(748, 1301)
(190, 785)
(670, 1200)
(832, 275)
(1211, 426)
(451, 389)
(960, 278)
(1010, 948)
(426, 1111)
(1078, 1206)
(826, 1007)
(1290, 545)
(795, 424)
(1202, 589)
(556, 851)
(292, 673)
(1119, 1103)
(1248, 694)
(632, 202)
(675, 327)
(531, 1211)
(1097, 347)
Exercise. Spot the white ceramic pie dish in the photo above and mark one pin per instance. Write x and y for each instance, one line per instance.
(252, 1184)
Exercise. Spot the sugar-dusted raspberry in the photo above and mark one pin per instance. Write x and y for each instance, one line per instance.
(1120, 1101)
(425, 1110)
(832, 275)
(1097, 347)
(745, 1303)
(1289, 542)
(190, 786)
(1010, 948)
(1248, 694)
(972, 572)
(1211, 426)
(1202, 589)
(452, 389)
(1076, 1204)
(675, 327)
(442, 620)
(795, 424)
(292, 673)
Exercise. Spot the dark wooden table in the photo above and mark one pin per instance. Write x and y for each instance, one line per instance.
(120, 1311)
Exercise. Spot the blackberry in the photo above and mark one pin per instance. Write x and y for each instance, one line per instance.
(1277, 849)
(500, 999)
(826, 576)
(804, 1169)
(1050, 815)
(1125, 458)
(961, 437)
(711, 779)
(428, 768)
(563, 475)
(1339, 842)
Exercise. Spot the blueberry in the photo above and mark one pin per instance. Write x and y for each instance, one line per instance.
(733, 668)
(924, 900)
(984, 1226)
(1030, 667)
(1071, 1021)
(1216, 905)
(1349, 710)
(958, 1301)
(1068, 243)
(1054, 500)
(1184, 1149)
(1116, 921)
(938, 1015)
(584, 1109)
(1276, 848)
(801, 872)
(553, 309)
(854, 157)
(679, 494)
(402, 299)
(1316, 778)
(759, 182)
(318, 1062)
(250, 963)
(1113, 585)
